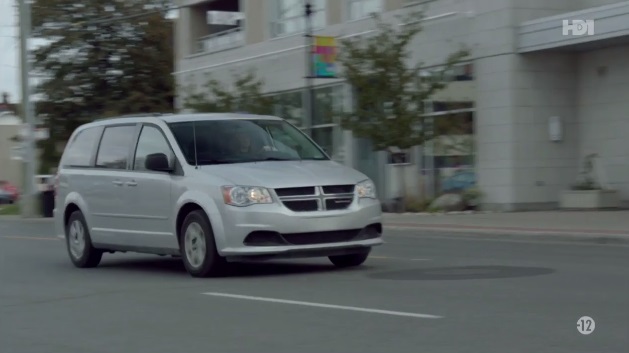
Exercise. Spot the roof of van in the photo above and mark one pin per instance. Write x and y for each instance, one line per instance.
(172, 118)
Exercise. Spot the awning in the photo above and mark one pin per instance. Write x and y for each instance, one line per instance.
(611, 27)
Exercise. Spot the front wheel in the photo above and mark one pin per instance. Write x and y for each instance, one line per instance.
(198, 248)
(350, 260)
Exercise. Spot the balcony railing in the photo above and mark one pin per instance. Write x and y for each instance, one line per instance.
(229, 39)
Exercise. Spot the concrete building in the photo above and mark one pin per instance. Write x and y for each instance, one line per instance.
(523, 71)
(10, 168)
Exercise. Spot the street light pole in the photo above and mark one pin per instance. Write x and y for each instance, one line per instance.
(310, 70)
(27, 199)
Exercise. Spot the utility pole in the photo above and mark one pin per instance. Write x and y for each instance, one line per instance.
(310, 70)
(28, 197)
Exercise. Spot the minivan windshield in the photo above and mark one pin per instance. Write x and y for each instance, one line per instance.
(242, 141)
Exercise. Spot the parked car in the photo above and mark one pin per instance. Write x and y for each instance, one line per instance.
(5, 197)
(211, 188)
(8, 192)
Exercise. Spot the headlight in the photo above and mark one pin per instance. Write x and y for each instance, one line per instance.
(366, 189)
(245, 195)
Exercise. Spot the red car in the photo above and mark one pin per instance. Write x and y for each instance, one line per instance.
(10, 190)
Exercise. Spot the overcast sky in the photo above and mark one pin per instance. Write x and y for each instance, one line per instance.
(9, 50)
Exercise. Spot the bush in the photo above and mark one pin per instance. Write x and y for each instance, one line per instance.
(472, 197)
(414, 204)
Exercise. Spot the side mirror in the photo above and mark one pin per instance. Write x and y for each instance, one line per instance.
(157, 162)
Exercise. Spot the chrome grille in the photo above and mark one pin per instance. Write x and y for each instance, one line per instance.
(317, 198)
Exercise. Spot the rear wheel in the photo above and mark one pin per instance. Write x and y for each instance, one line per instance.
(198, 247)
(350, 260)
(79, 243)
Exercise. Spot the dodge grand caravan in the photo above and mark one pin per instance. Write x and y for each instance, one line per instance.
(212, 189)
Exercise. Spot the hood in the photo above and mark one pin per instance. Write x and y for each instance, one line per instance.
(285, 174)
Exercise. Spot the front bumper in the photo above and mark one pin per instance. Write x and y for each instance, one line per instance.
(299, 234)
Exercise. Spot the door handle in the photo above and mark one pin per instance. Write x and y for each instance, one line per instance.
(117, 182)
(131, 183)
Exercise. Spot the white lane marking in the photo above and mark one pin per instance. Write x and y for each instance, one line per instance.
(396, 258)
(320, 305)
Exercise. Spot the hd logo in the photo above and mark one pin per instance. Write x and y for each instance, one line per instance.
(578, 27)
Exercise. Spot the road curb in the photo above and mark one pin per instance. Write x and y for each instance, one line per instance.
(587, 237)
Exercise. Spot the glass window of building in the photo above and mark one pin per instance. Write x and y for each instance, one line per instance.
(325, 129)
(448, 158)
(328, 105)
(288, 16)
(358, 9)
(324, 137)
(452, 150)
(290, 106)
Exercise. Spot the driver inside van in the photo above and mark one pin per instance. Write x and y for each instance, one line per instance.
(242, 142)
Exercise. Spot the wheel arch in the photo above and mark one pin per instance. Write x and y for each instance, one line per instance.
(192, 201)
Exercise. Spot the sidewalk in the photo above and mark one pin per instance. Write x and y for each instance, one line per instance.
(600, 226)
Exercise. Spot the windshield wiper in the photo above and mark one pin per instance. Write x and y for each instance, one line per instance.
(275, 159)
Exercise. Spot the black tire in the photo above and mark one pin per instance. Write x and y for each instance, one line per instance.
(211, 264)
(350, 260)
(89, 257)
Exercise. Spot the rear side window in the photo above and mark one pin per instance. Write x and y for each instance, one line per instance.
(80, 150)
(113, 152)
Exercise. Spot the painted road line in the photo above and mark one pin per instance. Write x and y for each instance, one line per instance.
(396, 258)
(320, 305)
(28, 238)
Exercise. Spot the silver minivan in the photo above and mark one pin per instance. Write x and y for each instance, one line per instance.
(211, 188)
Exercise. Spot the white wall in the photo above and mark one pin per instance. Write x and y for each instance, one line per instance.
(281, 61)
(518, 167)
(545, 86)
(603, 94)
(10, 170)
(595, 3)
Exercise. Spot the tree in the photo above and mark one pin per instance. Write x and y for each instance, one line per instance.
(246, 94)
(100, 60)
(389, 92)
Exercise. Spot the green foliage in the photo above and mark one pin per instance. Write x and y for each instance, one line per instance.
(472, 196)
(95, 68)
(245, 95)
(435, 209)
(413, 204)
(390, 93)
(9, 210)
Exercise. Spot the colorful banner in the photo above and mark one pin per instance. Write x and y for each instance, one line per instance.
(324, 53)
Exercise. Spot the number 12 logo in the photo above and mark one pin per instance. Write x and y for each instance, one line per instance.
(586, 325)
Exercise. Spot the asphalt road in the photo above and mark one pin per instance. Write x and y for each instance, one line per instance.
(431, 293)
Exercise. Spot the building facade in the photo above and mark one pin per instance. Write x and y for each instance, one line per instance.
(10, 167)
(536, 99)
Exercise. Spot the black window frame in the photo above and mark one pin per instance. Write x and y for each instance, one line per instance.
(178, 169)
(129, 151)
